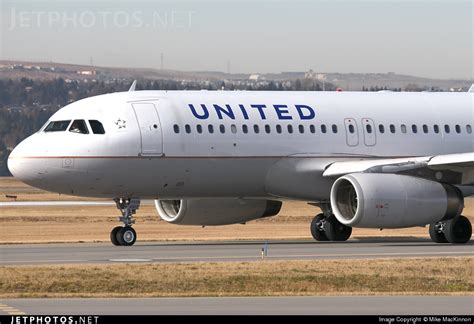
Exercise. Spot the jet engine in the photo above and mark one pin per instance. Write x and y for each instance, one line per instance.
(393, 201)
(215, 211)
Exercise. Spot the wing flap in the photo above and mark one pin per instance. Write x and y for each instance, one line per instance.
(457, 162)
(379, 165)
(462, 160)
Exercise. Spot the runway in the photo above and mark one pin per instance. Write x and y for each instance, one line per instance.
(38, 254)
(334, 305)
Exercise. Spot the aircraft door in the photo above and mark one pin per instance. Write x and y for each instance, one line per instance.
(368, 128)
(150, 128)
(352, 132)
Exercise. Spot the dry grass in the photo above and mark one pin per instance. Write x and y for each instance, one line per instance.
(266, 278)
(93, 224)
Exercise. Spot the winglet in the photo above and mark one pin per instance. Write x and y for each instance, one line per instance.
(133, 86)
(471, 89)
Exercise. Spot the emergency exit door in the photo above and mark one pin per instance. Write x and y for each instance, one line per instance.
(368, 126)
(352, 132)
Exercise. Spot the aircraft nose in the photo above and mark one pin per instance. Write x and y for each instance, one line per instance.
(26, 168)
(13, 162)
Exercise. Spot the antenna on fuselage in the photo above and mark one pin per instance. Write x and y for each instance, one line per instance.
(133, 86)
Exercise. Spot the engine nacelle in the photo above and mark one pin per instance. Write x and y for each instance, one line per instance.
(215, 211)
(392, 201)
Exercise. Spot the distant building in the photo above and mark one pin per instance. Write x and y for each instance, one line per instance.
(254, 77)
(13, 109)
(87, 72)
(314, 75)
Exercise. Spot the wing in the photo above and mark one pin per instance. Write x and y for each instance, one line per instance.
(450, 168)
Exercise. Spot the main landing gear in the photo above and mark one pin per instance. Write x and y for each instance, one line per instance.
(457, 230)
(125, 235)
(325, 227)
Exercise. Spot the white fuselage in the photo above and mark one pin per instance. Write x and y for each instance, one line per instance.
(158, 144)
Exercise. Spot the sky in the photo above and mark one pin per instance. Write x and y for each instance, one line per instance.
(430, 38)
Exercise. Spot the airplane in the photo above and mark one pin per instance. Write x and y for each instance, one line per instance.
(209, 158)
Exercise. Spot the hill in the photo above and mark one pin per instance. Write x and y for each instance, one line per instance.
(348, 81)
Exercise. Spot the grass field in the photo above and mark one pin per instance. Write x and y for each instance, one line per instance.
(423, 276)
(93, 224)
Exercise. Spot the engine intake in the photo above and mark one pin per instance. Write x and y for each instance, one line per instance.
(393, 201)
(215, 211)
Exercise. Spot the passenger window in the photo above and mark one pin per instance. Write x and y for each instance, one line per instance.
(301, 129)
(392, 128)
(222, 128)
(425, 129)
(210, 128)
(79, 126)
(334, 128)
(256, 129)
(436, 129)
(351, 129)
(312, 129)
(323, 129)
(96, 127)
(278, 129)
(57, 126)
(468, 129)
(368, 128)
(458, 129)
(381, 129)
(290, 129)
(233, 129)
(267, 129)
(447, 129)
(176, 129)
(414, 129)
(403, 128)
(199, 129)
(187, 128)
(245, 129)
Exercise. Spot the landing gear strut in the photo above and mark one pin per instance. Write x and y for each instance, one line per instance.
(125, 235)
(457, 230)
(325, 227)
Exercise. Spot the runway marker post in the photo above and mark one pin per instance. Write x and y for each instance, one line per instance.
(265, 250)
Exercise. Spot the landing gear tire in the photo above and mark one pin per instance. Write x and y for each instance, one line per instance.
(458, 230)
(126, 236)
(335, 231)
(113, 235)
(436, 233)
(317, 229)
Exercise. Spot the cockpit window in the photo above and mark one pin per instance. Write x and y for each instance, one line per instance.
(79, 126)
(97, 127)
(57, 126)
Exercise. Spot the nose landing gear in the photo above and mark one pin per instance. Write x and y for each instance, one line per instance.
(126, 235)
